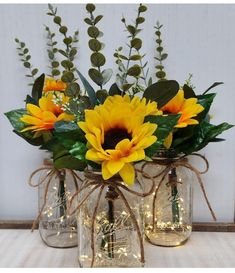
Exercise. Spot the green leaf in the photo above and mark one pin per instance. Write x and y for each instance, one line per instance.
(67, 64)
(162, 92)
(38, 87)
(140, 20)
(72, 90)
(27, 64)
(69, 162)
(127, 86)
(29, 137)
(164, 56)
(202, 134)
(114, 90)
(101, 95)
(94, 45)
(93, 32)
(131, 29)
(165, 125)
(135, 57)
(29, 99)
(205, 101)
(188, 92)
(212, 86)
(136, 43)
(90, 7)
(14, 118)
(134, 71)
(88, 21)
(67, 77)
(97, 59)
(96, 76)
(65, 126)
(89, 89)
(107, 74)
(142, 8)
(97, 19)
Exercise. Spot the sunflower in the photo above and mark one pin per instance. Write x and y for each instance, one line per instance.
(44, 116)
(188, 108)
(54, 85)
(117, 134)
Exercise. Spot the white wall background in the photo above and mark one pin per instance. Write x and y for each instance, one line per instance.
(199, 39)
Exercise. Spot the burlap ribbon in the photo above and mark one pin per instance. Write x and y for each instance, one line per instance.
(47, 178)
(174, 163)
(95, 181)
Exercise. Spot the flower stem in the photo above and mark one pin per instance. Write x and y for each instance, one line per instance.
(174, 194)
(111, 235)
(61, 193)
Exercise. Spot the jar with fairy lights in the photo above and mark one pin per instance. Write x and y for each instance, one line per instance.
(168, 211)
(57, 227)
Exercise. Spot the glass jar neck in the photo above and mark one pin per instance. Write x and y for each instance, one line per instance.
(165, 156)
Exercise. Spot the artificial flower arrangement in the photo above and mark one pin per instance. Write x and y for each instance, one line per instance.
(108, 131)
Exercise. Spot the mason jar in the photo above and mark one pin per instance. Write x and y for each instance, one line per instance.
(168, 211)
(110, 223)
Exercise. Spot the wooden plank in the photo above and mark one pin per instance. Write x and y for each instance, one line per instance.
(16, 224)
(214, 227)
(197, 226)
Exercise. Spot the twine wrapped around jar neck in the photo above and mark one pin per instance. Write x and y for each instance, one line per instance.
(171, 163)
(95, 180)
(47, 178)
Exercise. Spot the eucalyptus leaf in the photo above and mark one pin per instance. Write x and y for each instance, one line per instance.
(107, 74)
(96, 76)
(97, 59)
(101, 95)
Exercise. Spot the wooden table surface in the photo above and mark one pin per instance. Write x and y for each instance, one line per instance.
(21, 248)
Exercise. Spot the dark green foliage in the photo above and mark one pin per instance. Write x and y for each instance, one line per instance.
(165, 125)
(161, 92)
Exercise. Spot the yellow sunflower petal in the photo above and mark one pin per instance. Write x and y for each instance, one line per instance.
(114, 166)
(105, 172)
(127, 173)
(30, 120)
(168, 141)
(34, 110)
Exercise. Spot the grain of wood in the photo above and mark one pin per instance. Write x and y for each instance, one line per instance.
(21, 248)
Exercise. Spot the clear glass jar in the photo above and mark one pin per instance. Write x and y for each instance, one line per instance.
(168, 211)
(56, 227)
(114, 236)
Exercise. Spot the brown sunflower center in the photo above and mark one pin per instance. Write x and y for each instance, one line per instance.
(113, 136)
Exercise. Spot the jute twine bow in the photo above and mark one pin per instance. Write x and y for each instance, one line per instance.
(52, 172)
(95, 181)
(173, 163)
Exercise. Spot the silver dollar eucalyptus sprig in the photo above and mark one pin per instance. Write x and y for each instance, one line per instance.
(25, 58)
(136, 70)
(52, 51)
(73, 88)
(98, 60)
(161, 56)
